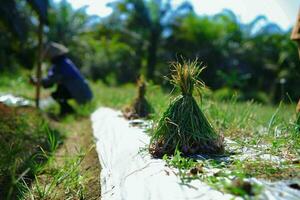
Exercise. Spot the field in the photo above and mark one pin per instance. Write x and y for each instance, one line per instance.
(236, 133)
(72, 162)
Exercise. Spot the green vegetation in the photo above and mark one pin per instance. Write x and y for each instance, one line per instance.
(231, 176)
(251, 68)
(65, 181)
(28, 167)
(26, 144)
(33, 162)
(183, 125)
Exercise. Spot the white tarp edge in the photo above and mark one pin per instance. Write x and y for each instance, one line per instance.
(129, 173)
(12, 100)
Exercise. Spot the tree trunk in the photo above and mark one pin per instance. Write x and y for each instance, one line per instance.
(39, 64)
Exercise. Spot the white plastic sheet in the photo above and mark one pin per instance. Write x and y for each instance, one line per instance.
(129, 173)
(12, 100)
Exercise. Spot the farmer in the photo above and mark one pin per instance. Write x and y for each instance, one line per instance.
(63, 73)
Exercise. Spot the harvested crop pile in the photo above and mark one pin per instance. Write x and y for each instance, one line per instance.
(140, 108)
(183, 125)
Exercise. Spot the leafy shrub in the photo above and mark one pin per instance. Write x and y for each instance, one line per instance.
(226, 94)
(259, 97)
(111, 57)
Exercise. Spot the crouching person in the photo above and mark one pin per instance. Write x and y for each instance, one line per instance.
(68, 79)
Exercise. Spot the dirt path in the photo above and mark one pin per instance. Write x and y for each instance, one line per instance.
(79, 137)
(73, 172)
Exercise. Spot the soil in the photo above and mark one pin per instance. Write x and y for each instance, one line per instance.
(5, 110)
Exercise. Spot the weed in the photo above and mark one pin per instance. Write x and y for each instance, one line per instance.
(243, 188)
(217, 174)
(67, 177)
(181, 163)
(52, 138)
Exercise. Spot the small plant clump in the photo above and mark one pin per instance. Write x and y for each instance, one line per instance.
(183, 126)
(140, 108)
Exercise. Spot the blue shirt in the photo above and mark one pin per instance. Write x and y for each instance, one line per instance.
(64, 72)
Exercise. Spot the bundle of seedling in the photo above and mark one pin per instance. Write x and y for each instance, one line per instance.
(183, 125)
(140, 108)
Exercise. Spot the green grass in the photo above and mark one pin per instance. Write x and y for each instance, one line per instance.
(59, 181)
(28, 149)
(25, 139)
(119, 97)
(17, 84)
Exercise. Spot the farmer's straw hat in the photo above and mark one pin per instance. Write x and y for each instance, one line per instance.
(296, 30)
(53, 50)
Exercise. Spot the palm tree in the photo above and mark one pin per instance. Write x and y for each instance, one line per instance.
(148, 19)
(13, 18)
(65, 23)
(16, 30)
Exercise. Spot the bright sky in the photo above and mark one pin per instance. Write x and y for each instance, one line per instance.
(282, 12)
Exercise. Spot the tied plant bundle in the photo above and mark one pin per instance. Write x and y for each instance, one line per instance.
(140, 108)
(183, 126)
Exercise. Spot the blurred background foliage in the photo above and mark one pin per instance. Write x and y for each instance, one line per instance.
(253, 61)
